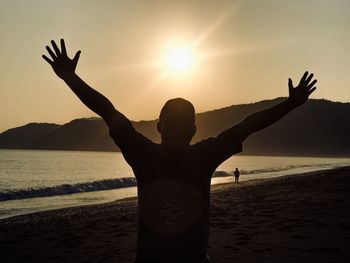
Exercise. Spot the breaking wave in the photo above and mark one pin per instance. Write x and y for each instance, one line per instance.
(65, 189)
(110, 184)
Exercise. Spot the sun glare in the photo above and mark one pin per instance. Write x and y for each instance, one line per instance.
(179, 59)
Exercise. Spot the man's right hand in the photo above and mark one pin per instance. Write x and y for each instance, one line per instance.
(298, 95)
(63, 66)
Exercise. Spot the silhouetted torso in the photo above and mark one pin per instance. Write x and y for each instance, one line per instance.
(173, 192)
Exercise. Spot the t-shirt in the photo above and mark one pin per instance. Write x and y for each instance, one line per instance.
(173, 190)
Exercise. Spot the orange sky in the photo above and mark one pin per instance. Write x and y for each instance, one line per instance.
(250, 48)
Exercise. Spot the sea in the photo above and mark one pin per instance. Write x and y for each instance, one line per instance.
(35, 180)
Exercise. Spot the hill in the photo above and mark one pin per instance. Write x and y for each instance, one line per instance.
(26, 136)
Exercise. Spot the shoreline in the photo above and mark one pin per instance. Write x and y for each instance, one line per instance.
(239, 154)
(301, 217)
(216, 181)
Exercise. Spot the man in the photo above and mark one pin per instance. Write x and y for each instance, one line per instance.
(173, 177)
(236, 173)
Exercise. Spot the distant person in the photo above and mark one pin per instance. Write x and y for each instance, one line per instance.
(236, 174)
(173, 177)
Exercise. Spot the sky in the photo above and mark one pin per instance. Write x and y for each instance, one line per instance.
(244, 51)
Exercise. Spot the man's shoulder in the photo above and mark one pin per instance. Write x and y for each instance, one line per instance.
(203, 142)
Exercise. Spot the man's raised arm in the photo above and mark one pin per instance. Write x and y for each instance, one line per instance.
(64, 68)
(260, 120)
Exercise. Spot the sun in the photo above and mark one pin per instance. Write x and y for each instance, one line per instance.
(179, 59)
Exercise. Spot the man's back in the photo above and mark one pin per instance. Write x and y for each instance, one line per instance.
(173, 195)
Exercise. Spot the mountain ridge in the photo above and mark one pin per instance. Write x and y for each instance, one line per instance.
(318, 128)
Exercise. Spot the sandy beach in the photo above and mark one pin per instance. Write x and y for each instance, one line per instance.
(297, 218)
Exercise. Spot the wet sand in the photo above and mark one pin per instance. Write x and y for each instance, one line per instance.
(297, 218)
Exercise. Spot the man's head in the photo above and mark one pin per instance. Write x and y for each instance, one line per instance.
(177, 122)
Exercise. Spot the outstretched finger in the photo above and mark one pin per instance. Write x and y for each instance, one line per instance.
(55, 47)
(76, 57)
(53, 56)
(311, 90)
(47, 59)
(308, 79)
(63, 47)
(290, 83)
(303, 77)
(311, 84)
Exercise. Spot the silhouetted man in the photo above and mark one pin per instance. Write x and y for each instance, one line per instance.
(173, 177)
(236, 174)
